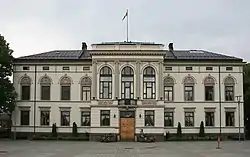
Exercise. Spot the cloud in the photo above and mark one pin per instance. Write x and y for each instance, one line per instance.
(38, 26)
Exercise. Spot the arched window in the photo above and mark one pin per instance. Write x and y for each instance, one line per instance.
(168, 89)
(105, 83)
(127, 77)
(25, 87)
(86, 89)
(229, 88)
(45, 84)
(65, 88)
(149, 83)
(209, 88)
(189, 88)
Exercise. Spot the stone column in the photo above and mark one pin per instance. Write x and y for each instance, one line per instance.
(138, 80)
(116, 84)
(94, 79)
(160, 80)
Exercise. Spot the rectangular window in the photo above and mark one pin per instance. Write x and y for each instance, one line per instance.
(189, 118)
(85, 68)
(209, 118)
(168, 119)
(45, 68)
(149, 118)
(65, 68)
(229, 68)
(25, 117)
(189, 93)
(189, 68)
(85, 115)
(26, 68)
(86, 91)
(209, 93)
(168, 93)
(65, 92)
(105, 118)
(45, 117)
(230, 119)
(45, 92)
(25, 92)
(168, 68)
(65, 118)
(209, 68)
(229, 93)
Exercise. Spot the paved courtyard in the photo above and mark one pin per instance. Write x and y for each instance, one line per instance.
(122, 149)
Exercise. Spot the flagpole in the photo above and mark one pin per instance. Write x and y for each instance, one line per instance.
(127, 25)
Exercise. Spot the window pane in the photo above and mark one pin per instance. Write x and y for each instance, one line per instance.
(45, 92)
(168, 119)
(105, 118)
(65, 92)
(25, 117)
(189, 118)
(229, 93)
(149, 118)
(209, 93)
(85, 118)
(25, 92)
(45, 117)
(209, 118)
(230, 121)
(65, 118)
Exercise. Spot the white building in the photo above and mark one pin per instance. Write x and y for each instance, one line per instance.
(123, 87)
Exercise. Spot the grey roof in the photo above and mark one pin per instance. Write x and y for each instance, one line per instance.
(59, 55)
(197, 55)
(170, 55)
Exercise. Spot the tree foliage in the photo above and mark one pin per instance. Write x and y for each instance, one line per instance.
(202, 130)
(246, 89)
(179, 132)
(7, 91)
(74, 129)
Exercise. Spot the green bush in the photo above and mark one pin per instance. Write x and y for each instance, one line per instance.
(74, 130)
(179, 132)
(202, 130)
(54, 130)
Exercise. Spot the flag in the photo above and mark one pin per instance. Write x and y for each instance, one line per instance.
(126, 14)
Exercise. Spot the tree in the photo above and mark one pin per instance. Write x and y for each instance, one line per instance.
(74, 129)
(202, 130)
(54, 130)
(7, 91)
(179, 132)
(246, 89)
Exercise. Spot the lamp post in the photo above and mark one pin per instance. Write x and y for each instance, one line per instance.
(238, 100)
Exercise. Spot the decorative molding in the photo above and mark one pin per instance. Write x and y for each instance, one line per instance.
(149, 102)
(105, 102)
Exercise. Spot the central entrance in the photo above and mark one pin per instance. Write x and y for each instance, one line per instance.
(127, 125)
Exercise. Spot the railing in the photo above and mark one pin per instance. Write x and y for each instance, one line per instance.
(127, 102)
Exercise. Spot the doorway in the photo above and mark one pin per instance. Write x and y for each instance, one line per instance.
(127, 125)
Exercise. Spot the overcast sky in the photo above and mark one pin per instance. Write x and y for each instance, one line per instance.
(35, 26)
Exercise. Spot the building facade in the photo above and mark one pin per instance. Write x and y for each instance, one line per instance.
(123, 87)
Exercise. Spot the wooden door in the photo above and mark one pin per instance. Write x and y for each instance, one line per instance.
(127, 126)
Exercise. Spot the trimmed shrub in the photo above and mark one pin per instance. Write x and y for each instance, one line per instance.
(202, 130)
(179, 132)
(54, 130)
(74, 130)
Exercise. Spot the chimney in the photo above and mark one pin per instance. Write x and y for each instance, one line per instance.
(171, 46)
(84, 46)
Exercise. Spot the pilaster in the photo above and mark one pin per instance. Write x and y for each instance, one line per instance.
(94, 79)
(138, 80)
(116, 79)
(160, 80)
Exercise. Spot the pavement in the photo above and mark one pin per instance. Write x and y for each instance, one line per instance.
(123, 149)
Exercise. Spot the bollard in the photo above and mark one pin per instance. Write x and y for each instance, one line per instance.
(218, 141)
